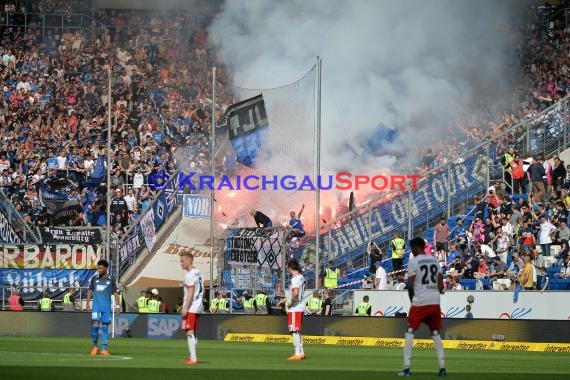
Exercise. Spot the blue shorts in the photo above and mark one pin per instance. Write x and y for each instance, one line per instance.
(103, 317)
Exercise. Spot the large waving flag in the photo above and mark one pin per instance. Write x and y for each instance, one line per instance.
(248, 127)
(99, 172)
(57, 203)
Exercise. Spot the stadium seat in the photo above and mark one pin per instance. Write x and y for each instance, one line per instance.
(469, 284)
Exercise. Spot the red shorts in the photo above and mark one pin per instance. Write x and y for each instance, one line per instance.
(294, 321)
(190, 322)
(429, 314)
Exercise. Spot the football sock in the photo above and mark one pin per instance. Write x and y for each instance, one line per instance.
(104, 336)
(95, 334)
(192, 342)
(296, 343)
(409, 345)
(439, 350)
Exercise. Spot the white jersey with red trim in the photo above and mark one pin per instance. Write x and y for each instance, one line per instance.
(297, 282)
(426, 270)
(193, 278)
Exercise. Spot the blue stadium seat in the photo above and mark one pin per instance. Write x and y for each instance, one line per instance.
(469, 284)
(487, 285)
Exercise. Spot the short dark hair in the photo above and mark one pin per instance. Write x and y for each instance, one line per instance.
(293, 264)
(418, 242)
(105, 263)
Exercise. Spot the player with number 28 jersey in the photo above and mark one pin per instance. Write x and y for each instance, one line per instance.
(425, 284)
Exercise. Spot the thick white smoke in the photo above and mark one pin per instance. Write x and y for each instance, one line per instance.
(412, 64)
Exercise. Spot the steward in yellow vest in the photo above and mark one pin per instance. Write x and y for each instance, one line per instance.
(364, 308)
(69, 301)
(331, 276)
(46, 304)
(315, 304)
(398, 244)
(142, 303)
(248, 304)
(261, 303)
(154, 305)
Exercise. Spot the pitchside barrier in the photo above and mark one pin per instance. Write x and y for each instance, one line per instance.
(377, 331)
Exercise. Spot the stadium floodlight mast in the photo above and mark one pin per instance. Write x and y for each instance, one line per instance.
(212, 166)
(317, 169)
(109, 117)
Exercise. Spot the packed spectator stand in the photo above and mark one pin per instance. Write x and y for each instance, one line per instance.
(54, 111)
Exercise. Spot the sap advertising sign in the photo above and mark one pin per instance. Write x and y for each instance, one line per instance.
(163, 326)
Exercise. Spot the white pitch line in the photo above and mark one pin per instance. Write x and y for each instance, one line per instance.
(83, 356)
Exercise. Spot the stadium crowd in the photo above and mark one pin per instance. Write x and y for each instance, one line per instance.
(54, 108)
(54, 111)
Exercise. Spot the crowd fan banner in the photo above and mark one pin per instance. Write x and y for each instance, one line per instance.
(49, 256)
(131, 247)
(399, 343)
(196, 206)
(32, 284)
(255, 246)
(136, 239)
(487, 304)
(147, 227)
(84, 235)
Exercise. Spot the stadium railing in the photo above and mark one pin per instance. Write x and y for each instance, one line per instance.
(14, 227)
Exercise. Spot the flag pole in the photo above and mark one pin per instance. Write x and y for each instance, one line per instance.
(109, 117)
(212, 167)
(317, 170)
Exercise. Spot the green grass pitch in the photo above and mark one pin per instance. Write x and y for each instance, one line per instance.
(142, 359)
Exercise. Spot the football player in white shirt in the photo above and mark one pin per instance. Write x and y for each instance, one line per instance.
(425, 284)
(296, 308)
(193, 296)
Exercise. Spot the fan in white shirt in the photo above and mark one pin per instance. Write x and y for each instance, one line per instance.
(381, 281)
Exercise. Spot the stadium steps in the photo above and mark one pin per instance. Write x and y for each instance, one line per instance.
(146, 256)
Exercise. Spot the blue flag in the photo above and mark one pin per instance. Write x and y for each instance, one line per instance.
(248, 128)
(99, 172)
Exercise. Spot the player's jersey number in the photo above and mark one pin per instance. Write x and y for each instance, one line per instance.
(429, 274)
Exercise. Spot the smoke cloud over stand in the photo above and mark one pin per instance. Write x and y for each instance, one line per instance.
(412, 65)
(408, 65)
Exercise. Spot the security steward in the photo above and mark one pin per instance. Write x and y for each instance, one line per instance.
(398, 244)
(315, 304)
(248, 303)
(46, 303)
(142, 302)
(364, 308)
(69, 300)
(223, 306)
(154, 303)
(506, 161)
(262, 303)
(331, 276)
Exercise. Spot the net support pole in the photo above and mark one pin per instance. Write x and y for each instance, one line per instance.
(109, 117)
(212, 166)
(317, 169)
